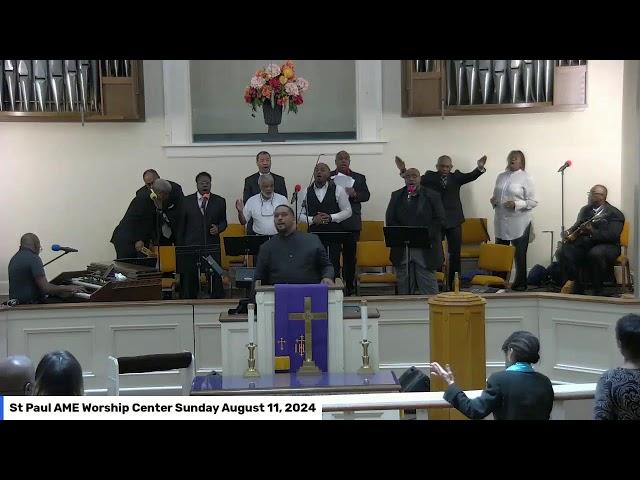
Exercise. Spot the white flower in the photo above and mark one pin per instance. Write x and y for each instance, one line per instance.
(273, 69)
(257, 82)
(302, 84)
(291, 89)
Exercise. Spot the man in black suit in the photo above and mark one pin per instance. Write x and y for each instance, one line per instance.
(149, 176)
(251, 184)
(447, 184)
(417, 206)
(596, 246)
(358, 193)
(203, 219)
(147, 221)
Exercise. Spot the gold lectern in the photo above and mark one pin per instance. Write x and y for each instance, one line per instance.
(457, 338)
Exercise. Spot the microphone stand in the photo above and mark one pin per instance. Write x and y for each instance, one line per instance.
(562, 235)
(51, 261)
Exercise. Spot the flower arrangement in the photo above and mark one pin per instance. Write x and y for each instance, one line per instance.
(277, 85)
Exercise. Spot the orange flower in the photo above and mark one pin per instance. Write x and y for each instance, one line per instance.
(283, 79)
(266, 91)
(287, 71)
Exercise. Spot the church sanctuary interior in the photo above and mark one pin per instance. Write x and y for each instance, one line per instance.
(413, 240)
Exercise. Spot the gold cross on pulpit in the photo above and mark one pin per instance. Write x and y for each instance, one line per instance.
(308, 367)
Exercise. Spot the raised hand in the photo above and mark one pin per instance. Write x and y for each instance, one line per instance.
(239, 205)
(445, 374)
(400, 164)
(482, 161)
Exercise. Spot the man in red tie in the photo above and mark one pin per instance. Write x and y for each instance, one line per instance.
(203, 219)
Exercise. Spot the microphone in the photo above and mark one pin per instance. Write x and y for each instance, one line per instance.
(294, 197)
(57, 248)
(566, 165)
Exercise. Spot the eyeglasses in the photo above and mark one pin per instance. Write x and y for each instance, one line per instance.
(266, 208)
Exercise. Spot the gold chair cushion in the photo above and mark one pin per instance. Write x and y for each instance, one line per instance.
(487, 280)
(377, 278)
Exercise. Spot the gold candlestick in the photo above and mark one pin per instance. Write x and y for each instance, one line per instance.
(251, 370)
(365, 369)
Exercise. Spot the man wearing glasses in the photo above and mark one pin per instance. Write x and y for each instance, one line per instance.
(260, 207)
(27, 280)
(592, 243)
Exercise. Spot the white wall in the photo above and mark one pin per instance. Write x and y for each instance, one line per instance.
(71, 184)
(217, 89)
(631, 143)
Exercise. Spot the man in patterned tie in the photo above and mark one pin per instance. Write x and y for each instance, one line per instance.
(447, 183)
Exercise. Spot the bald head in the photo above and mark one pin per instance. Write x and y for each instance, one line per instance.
(321, 174)
(598, 195)
(412, 177)
(17, 375)
(30, 241)
(444, 164)
(160, 185)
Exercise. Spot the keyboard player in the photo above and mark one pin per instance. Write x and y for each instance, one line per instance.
(27, 280)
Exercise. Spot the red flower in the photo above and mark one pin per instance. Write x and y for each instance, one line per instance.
(247, 98)
(275, 84)
(297, 100)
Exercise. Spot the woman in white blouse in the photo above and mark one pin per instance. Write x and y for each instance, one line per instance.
(513, 199)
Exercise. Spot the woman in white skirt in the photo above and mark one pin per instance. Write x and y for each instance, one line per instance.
(513, 199)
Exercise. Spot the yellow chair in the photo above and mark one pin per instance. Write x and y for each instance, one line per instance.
(623, 259)
(372, 230)
(495, 258)
(474, 232)
(232, 230)
(373, 254)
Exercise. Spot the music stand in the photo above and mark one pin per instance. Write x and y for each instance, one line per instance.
(407, 238)
(247, 245)
(200, 258)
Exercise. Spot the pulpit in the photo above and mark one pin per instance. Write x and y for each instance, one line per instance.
(457, 337)
(265, 331)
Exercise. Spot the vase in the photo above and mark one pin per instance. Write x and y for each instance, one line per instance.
(272, 116)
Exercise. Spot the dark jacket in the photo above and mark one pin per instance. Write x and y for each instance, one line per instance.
(194, 227)
(138, 223)
(354, 222)
(607, 228)
(451, 194)
(429, 213)
(252, 188)
(509, 396)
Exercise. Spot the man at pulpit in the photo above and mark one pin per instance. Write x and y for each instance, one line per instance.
(292, 256)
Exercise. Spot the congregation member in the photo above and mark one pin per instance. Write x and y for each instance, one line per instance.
(259, 208)
(17, 376)
(27, 279)
(251, 183)
(513, 199)
(592, 245)
(417, 206)
(59, 374)
(325, 206)
(516, 393)
(447, 183)
(358, 193)
(203, 219)
(618, 390)
(292, 256)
